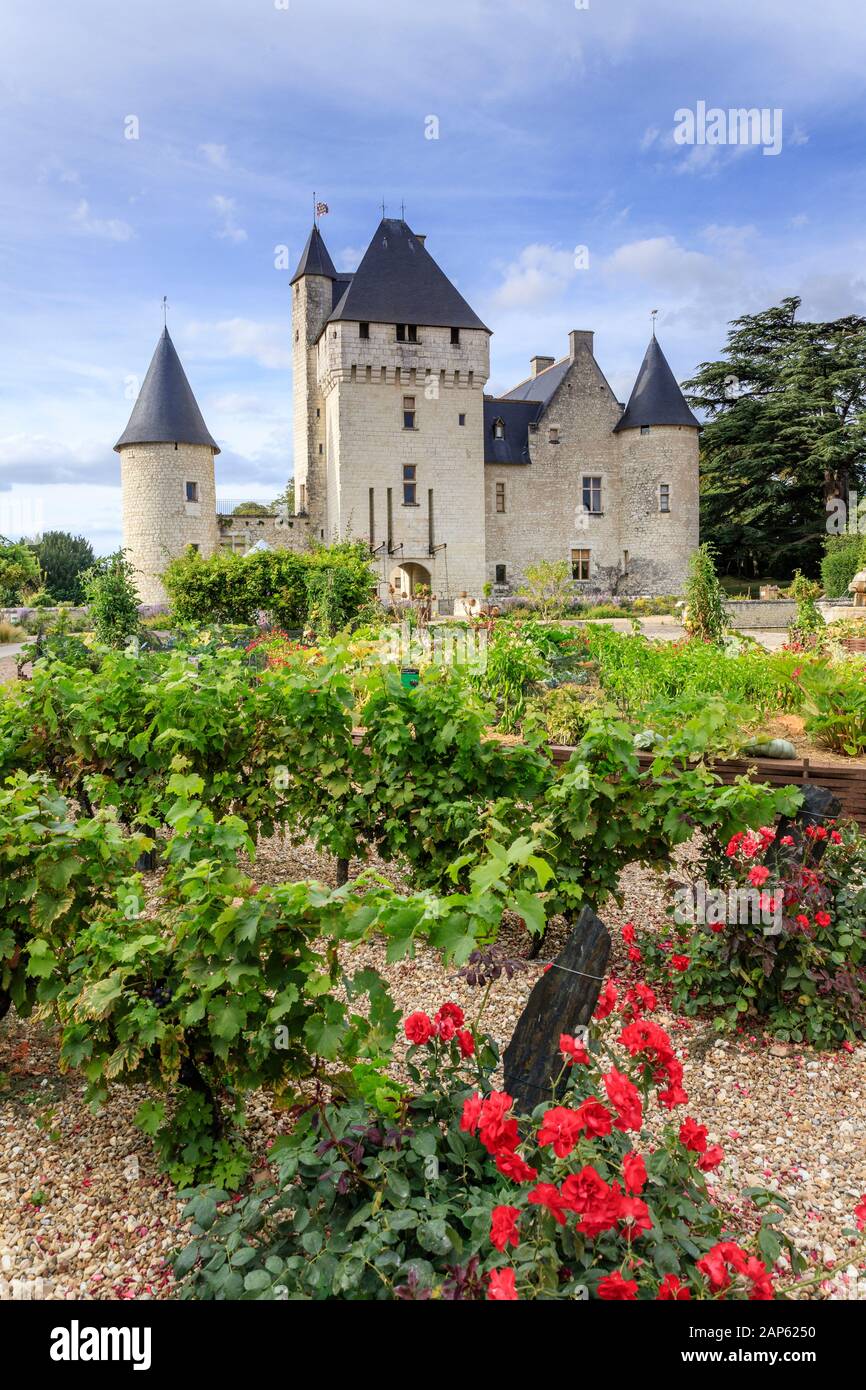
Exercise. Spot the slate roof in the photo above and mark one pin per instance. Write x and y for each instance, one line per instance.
(341, 284)
(398, 281)
(656, 398)
(516, 416)
(166, 411)
(315, 259)
(541, 387)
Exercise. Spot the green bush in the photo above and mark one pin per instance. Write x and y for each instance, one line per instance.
(705, 616)
(844, 556)
(113, 599)
(63, 559)
(229, 588)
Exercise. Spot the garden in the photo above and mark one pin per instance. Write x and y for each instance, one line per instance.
(274, 899)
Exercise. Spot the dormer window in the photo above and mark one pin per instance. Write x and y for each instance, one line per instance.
(498, 429)
(644, 429)
(407, 333)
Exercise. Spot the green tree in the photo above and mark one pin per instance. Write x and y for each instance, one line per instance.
(549, 587)
(111, 594)
(251, 509)
(63, 559)
(785, 432)
(844, 557)
(286, 499)
(19, 572)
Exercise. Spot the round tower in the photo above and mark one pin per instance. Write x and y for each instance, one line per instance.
(166, 474)
(659, 481)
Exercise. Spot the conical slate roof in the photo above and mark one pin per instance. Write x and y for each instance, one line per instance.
(656, 398)
(315, 259)
(166, 411)
(398, 281)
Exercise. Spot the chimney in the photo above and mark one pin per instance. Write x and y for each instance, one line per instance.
(579, 338)
(420, 237)
(540, 364)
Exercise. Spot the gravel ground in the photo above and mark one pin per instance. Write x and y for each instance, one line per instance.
(85, 1214)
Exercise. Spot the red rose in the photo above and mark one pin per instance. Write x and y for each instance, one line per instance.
(628, 933)
(606, 1002)
(758, 875)
(501, 1287)
(466, 1042)
(512, 1166)
(634, 1216)
(670, 1287)
(503, 1227)
(625, 1098)
(613, 1286)
(452, 1011)
(546, 1194)
(583, 1190)
(418, 1029)
(634, 1172)
(680, 962)
(572, 1050)
(634, 955)
(471, 1114)
(860, 1214)
(561, 1128)
(823, 919)
(711, 1158)
(693, 1136)
(594, 1118)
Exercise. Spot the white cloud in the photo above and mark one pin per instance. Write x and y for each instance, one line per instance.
(350, 257)
(112, 228)
(226, 209)
(215, 155)
(266, 343)
(538, 275)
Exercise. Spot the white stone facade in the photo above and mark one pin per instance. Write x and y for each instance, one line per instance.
(159, 521)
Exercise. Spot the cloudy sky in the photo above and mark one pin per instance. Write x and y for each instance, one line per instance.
(555, 126)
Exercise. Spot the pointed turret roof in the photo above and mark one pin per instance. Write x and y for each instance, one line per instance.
(398, 281)
(315, 259)
(166, 411)
(656, 398)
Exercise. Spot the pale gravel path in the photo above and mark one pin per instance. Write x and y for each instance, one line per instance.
(104, 1228)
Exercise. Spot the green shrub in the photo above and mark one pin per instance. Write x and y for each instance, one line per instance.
(113, 599)
(844, 556)
(229, 588)
(705, 616)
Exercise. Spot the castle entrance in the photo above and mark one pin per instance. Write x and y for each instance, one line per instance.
(407, 578)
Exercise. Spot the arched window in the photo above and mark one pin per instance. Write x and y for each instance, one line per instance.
(498, 429)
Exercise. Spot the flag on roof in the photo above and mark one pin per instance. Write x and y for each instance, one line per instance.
(322, 209)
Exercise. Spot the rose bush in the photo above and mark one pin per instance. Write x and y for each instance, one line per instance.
(801, 972)
(441, 1190)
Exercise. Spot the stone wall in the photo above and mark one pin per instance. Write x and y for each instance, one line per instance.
(241, 533)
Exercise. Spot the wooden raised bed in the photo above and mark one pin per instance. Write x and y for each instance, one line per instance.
(848, 783)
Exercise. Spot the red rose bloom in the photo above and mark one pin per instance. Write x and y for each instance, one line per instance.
(503, 1227)
(860, 1214)
(572, 1050)
(561, 1128)
(501, 1287)
(671, 1288)
(418, 1028)
(471, 1114)
(634, 1172)
(613, 1286)
(823, 919)
(625, 1098)
(634, 1216)
(546, 1194)
(758, 875)
(693, 1135)
(583, 1190)
(466, 1042)
(594, 1118)
(512, 1166)
(606, 1002)
(628, 933)
(680, 962)
(452, 1011)
(711, 1158)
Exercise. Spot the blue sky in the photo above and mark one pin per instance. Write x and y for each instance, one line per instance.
(555, 131)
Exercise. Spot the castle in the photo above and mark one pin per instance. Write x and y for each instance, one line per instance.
(396, 444)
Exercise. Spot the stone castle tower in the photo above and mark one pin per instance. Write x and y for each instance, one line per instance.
(167, 474)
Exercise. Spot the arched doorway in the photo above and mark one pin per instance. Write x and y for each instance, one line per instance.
(407, 579)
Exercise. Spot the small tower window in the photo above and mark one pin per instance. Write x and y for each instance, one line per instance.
(553, 435)
(644, 429)
(302, 489)
(409, 485)
(664, 497)
(500, 497)
(580, 564)
(498, 429)
(363, 330)
(461, 419)
(408, 412)
(500, 574)
(455, 337)
(191, 492)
